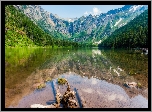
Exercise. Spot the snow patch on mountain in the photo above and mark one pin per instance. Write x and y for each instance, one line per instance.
(134, 8)
(122, 24)
(118, 22)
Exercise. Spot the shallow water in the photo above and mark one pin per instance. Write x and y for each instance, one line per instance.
(94, 76)
(104, 94)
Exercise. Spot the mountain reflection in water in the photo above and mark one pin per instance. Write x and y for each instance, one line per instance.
(98, 73)
(97, 94)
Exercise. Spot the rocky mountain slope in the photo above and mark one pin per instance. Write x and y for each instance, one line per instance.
(86, 28)
(134, 34)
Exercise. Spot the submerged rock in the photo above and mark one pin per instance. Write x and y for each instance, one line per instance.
(48, 79)
(131, 84)
(61, 81)
(42, 85)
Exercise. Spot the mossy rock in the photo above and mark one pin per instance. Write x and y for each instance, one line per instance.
(48, 79)
(61, 81)
(43, 85)
(139, 85)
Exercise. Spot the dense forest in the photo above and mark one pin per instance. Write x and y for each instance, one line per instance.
(21, 31)
(134, 34)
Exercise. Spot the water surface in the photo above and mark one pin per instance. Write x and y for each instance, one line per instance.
(28, 66)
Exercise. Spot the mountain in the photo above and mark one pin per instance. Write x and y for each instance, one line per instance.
(21, 31)
(134, 34)
(86, 28)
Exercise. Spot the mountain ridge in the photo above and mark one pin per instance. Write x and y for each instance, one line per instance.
(20, 31)
(83, 29)
(134, 34)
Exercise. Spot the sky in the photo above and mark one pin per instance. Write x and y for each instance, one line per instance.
(73, 11)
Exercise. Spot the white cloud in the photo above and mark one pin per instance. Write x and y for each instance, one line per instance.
(96, 11)
(86, 13)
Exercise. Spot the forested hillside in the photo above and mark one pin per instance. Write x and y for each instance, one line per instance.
(21, 31)
(134, 34)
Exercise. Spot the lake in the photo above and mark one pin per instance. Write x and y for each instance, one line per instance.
(97, 74)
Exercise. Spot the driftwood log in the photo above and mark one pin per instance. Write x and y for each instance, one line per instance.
(67, 100)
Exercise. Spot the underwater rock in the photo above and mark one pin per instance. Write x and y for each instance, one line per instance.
(48, 79)
(42, 85)
(116, 72)
(131, 84)
(61, 81)
(118, 68)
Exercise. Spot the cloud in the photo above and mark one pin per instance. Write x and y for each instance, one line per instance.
(96, 11)
(86, 13)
